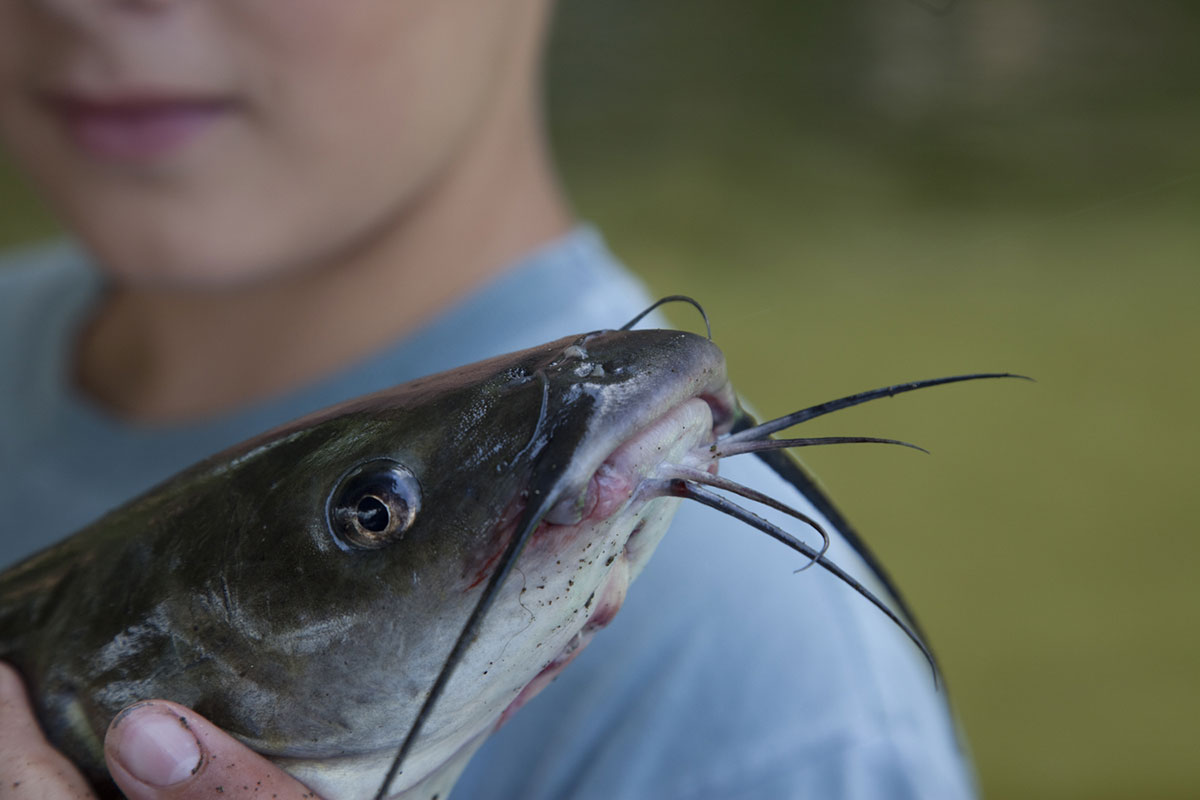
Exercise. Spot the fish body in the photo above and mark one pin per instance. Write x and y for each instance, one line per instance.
(304, 589)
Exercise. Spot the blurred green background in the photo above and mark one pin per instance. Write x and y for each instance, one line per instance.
(864, 192)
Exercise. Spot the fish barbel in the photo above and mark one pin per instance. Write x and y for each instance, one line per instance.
(339, 593)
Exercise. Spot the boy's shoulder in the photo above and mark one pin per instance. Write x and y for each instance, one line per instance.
(41, 280)
(43, 289)
(41, 272)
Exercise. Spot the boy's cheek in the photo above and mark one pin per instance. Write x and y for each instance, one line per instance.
(261, 196)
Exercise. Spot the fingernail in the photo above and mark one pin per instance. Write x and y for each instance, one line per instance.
(156, 748)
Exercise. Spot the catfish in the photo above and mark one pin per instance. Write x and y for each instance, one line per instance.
(335, 593)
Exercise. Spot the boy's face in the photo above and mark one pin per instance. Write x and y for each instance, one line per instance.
(215, 142)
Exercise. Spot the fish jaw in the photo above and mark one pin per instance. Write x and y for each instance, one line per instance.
(629, 520)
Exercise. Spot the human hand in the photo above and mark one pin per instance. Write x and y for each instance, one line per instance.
(156, 750)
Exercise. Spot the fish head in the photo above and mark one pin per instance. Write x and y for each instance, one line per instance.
(364, 536)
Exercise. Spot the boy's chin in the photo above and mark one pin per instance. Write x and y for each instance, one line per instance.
(186, 264)
(192, 250)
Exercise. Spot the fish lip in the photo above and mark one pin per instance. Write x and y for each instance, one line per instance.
(705, 379)
(615, 482)
(724, 408)
(633, 458)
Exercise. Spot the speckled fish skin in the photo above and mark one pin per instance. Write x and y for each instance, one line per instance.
(223, 588)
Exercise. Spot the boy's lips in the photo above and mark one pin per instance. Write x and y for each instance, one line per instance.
(134, 129)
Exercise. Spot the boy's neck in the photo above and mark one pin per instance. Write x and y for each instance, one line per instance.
(164, 356)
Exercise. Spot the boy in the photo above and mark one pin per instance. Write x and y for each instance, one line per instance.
(284, 203)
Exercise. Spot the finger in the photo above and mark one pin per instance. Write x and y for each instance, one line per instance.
(30, 769)
(162, 751)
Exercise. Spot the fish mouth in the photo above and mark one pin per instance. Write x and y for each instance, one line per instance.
(638, 410)
(614, 482)
(616, 499)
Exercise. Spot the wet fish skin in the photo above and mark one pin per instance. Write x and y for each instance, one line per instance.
(223, 589)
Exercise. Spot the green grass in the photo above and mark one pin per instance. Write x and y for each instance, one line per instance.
(23, 217)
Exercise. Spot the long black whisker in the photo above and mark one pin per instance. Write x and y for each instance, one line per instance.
(764, 429)
(726, 448)
(674, 298)
(712, 500)
(532, 517)
(693, 475)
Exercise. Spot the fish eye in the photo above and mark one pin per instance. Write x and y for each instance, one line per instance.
(373, 505)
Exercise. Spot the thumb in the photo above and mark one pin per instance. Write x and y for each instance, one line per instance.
(159, 750)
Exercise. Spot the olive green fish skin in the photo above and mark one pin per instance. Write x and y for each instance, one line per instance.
(224, 589)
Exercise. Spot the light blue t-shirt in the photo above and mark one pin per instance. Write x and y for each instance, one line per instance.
(724, 676)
